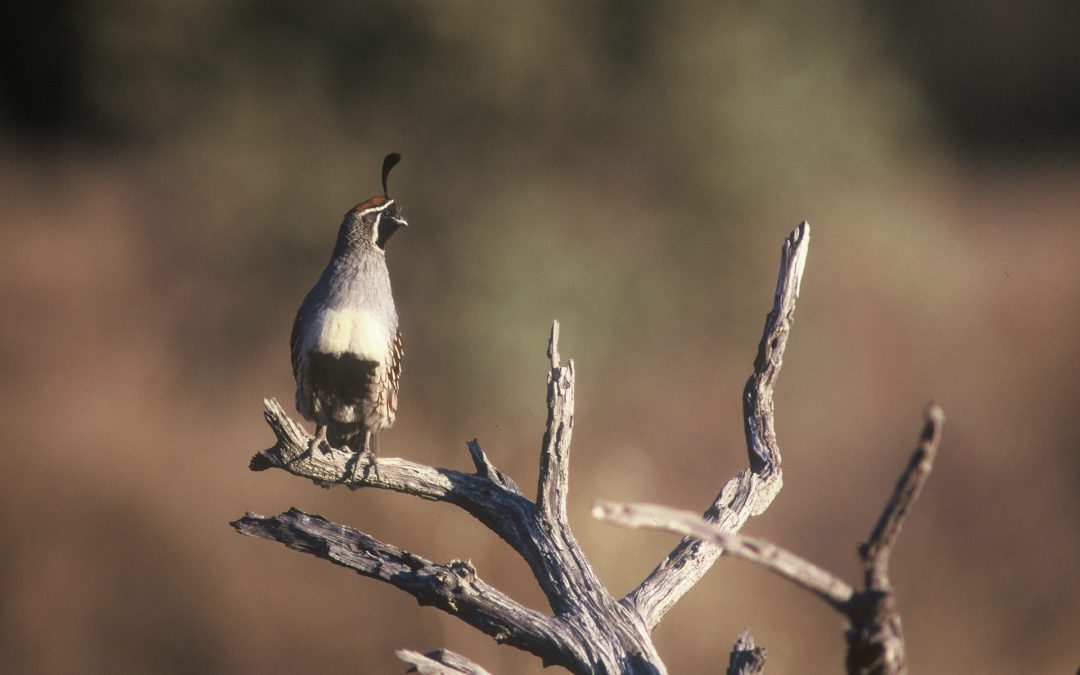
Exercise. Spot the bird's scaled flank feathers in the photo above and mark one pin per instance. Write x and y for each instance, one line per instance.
(397, 357)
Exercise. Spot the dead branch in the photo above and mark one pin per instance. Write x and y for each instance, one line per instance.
(876, 551)
(746, 659)
(439, 662)
(588, 630)
(677, 521)
(875, 639)
(454, 588)
(749, 493)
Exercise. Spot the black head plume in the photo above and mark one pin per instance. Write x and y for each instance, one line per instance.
(388, 163)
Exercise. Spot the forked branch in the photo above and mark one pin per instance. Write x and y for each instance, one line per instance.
(875, 640)
(588, 631)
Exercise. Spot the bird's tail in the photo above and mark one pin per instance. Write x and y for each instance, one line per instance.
(340, 434)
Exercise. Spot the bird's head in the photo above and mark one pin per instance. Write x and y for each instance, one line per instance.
(371, 223)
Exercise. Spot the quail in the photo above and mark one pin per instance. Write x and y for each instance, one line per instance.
(346, 346)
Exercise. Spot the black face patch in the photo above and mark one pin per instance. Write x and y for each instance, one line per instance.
(389, 222)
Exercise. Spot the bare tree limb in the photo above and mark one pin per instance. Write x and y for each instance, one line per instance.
(453, 588)
(589, 632)
(486, 495)
(758, 424)
(784, 563)
(751, 492)
(485, 469)
(439, 662)
(746, 659)
(875, 638)
(555, 450)
(876, 551)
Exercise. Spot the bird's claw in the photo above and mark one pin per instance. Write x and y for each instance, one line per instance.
(318, 440)
(369, 464)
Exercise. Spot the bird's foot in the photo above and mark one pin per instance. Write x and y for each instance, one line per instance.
(371, 449)
(365, 461)
(373, 464)
(318, 440)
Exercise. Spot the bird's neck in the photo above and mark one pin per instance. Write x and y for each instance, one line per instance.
(349, 245)
(355, 262)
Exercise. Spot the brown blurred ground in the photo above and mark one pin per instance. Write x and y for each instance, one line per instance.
(173, 178)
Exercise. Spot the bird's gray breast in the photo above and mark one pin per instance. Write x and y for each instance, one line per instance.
(351, 310)
(343, 341)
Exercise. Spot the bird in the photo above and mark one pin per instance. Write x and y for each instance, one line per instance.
(346, 347)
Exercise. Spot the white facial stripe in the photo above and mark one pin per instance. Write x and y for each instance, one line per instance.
(354, 331)
(375, 208)
(375, 230)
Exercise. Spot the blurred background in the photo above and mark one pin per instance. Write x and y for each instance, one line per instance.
(173, 176)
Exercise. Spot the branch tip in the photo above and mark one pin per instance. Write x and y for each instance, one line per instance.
(935, 419)
(875, 552)
(745, 640)
(801, 231)
(553, 345)
(555, 448)
(754, 490)
(801, 239)
(479, 459)
(604, 510)
(746, 658)
(439, 662)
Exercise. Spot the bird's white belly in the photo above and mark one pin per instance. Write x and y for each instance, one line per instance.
(354, 331)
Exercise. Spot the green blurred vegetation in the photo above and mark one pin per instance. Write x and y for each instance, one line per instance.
(174, 174)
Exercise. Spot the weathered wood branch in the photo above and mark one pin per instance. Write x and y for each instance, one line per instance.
(677, 521)
(555, 451)
(439, 662)
(751, 492)
(875, 639)
(876, 551)
(588, 630)
(454, 588)
(746, 659)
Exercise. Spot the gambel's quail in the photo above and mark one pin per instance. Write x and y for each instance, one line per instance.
(346, 346)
